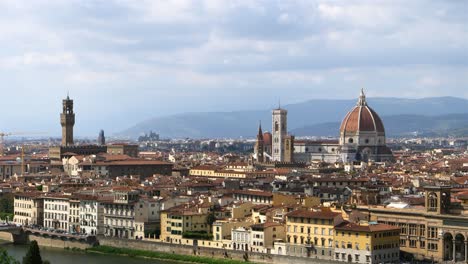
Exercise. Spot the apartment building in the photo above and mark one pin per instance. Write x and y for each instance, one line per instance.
(119, 213)
(177, 222)
(91, 216)
(310, 233)
(367, 243)
(28, 209)
(56, 212)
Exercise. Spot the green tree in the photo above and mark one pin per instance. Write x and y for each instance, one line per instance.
(6, 203)
(33, 256)
(5, 258)
(210, 219)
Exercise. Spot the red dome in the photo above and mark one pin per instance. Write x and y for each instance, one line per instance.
(362, 118)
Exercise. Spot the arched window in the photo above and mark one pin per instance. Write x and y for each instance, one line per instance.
(276, 126)
(350, 140)
(432, 202)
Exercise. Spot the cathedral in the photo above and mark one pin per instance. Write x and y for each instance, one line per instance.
(362, 138)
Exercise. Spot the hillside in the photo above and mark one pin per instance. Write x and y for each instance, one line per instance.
(313, 117)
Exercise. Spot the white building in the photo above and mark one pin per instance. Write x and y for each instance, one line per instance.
(56, 212)
(119, 213)
(91, 216)
(240, 239)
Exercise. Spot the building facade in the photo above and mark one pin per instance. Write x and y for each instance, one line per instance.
(437, 232)
(310, 233)
(119, 214)
(56, 212)
(29, 209)
(366, 243)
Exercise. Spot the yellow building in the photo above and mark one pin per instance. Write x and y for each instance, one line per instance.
(264, 235)
(310, 233)
(366, 243)
(177, 223)
(28, 209)
(222, 228)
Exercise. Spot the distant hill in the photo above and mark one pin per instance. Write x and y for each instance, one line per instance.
(401, 125)
(313, 117)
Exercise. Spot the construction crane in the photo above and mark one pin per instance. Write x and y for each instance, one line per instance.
(3, 135)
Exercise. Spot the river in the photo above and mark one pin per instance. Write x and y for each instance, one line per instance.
(61, 256)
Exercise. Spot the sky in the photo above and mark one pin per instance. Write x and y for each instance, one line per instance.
(126, 61)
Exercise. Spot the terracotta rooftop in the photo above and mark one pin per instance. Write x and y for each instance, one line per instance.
(347, 226)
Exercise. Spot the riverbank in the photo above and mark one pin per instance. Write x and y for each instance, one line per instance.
(161, 255)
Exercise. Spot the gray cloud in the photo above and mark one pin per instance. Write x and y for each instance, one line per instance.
(161, 57)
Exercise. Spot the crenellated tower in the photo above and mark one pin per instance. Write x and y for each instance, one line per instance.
(67, 120)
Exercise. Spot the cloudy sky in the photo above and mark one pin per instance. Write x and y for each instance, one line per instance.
(124, 61)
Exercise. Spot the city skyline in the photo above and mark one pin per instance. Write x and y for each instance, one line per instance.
(128, 62)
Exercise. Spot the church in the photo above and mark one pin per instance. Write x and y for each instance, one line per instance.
(362, 138)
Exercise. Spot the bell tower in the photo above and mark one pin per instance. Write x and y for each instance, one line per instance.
(437, 199)
(67, 120)
(259, 145)
(279, 133)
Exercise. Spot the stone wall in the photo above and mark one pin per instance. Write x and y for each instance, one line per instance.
(207, 252)
(57, 242)
(6, 236)
(43, 241)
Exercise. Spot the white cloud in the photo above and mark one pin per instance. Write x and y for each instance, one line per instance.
(36, 59)
(429, 81)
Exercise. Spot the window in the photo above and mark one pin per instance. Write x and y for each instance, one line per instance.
(422, 230)
(432, 246)
(432, 232)
(350, 140)
(402, 242)
(412, 243)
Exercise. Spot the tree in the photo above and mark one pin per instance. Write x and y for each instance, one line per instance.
(6, 203)
(33, 256)
(210, 219)
(5, 258)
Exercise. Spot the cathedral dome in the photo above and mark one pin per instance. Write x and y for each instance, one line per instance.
(362, 118)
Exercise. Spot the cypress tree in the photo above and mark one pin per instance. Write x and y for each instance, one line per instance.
(33, 256)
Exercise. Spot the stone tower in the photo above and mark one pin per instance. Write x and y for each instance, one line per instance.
(67, 120)
(101, 138)
(279, 132)
(438, 199)
(259, 145)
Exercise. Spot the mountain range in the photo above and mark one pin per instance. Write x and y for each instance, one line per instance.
(318, 117)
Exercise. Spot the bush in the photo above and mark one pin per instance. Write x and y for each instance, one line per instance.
(4, 216)
(5, 258)
(202, 235)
